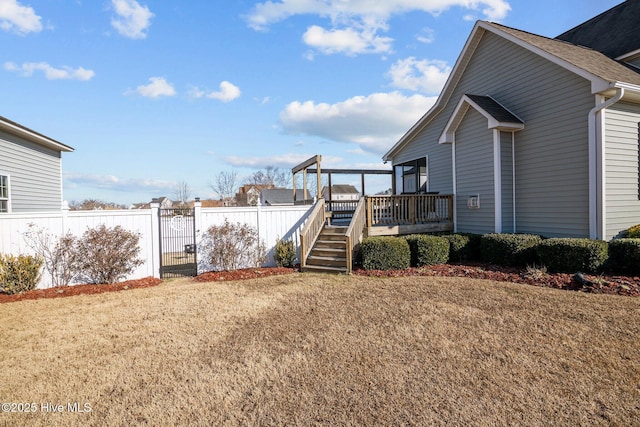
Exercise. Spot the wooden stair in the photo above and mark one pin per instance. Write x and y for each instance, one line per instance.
(329, 253)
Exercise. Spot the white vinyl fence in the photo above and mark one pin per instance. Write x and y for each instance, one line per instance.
(272, 223)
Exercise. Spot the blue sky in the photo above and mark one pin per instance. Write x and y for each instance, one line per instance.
(151, 93)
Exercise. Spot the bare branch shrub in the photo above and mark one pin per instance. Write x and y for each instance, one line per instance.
(59, 254)
(235, 246)
(108, 255)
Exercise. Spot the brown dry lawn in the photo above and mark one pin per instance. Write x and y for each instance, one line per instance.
(310, 349)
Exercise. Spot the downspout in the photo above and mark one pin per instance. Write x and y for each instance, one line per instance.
(497, 182)
(455, 185)
(596, 167)
(513, 179)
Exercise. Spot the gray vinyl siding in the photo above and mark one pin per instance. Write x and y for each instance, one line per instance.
(474, 170)
(552, 178)
(507, 182)
(621, 154)
(35, 174)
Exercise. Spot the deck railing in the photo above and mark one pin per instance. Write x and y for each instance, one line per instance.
(409, 209)
(311, 230)
(354, 232)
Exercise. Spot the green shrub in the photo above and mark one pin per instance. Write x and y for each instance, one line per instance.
(624, 256)
(509, 249)
(284, 253)
(633, 232)
(385, 253)
(570, 255)
(428, 250)
(107, 255)
(463, 246)
(19, 273)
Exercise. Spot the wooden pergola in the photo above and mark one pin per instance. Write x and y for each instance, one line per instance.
(312, 166)
(303, 167)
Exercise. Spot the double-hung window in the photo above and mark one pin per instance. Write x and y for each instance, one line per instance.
(4, 193)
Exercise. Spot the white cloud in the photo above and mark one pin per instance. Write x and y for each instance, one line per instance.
(350, 41)
(132, 20)
(356, 24)
(114, 183)
(270, 12)
(426, 76)
(227, 93)
(157, 88)
(18, 19)
(284, 161)
(427, 36)
(374, 122)
(51, 73)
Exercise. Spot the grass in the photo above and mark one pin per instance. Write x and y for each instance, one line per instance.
(325, 350)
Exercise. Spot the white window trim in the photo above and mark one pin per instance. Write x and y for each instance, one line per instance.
(8, 199)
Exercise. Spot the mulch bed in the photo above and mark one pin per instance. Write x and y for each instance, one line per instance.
(246, 273)
(67, 291)
(602, 284)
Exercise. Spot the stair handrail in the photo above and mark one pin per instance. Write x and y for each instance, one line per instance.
(353, 235)
(311, 230)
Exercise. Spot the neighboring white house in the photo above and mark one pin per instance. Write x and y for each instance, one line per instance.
(340, 193)
(30, 170)
(533, 134)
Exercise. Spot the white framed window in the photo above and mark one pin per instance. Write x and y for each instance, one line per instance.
(4, 194)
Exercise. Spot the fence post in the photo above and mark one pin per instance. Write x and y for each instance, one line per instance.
(155, 239)
(197, 227)
(65, 215)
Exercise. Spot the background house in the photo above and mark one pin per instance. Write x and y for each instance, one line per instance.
(279, 196)
(340, 192)
(533, 134)
(249, 194)
(30, 169)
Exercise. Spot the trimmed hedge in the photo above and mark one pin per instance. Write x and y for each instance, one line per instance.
(509, 249)
(570, 255)
(385, 253)
(633, 232)
(427, 249)
(463, 246)
(624, 256)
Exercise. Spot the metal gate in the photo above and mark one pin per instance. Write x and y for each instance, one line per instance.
(177, 242)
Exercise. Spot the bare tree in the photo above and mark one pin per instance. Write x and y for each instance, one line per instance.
(183, 193)
(271, 175)
(225, 185)
(94, 205)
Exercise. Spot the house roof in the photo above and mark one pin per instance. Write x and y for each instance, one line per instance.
(498, 117)
(615, 32)
(31, 135)
(341, 189)
(583, 58)
(604, 73)
(280, 196)
(495, 109)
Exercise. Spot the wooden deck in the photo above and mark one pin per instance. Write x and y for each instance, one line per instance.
(374, 216)
(407, 214)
